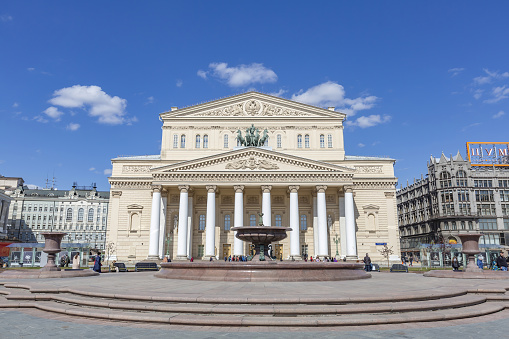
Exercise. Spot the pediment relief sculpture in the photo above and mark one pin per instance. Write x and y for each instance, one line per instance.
(252, 108)
(252, 163)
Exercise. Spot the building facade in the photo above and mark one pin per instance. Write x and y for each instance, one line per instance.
(453, 198)
(81, 212)
(184, 201)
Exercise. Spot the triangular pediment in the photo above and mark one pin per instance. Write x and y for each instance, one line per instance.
(253, 159)
(252, 105)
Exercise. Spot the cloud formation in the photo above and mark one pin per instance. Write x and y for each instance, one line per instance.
(455, 71)
(369, 121)
(333, 94)
(241, 75)
(107, 109)
(5, 18)
(107, 171)
(73, 127)
(498, 115)
(53, 112)
(490, 76)
(499, 93)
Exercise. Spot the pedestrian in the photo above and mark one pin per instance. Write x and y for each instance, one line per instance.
(76, 261)
(367, 263)
(97, 263)
(480, 259)
(411, 260)
(225, 258)
(502, 262)
(455, 263)
(192, 259)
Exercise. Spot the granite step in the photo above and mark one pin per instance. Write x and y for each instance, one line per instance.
(274, 309)
(249, 320)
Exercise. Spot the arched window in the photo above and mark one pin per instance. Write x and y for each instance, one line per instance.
(80, 214)
(279, 141)
(461, 174)
(225, 141)
(252, 220)
(175, 141)
(329, 140)
(68, 215)
(227, 224)
(322, 141)
(303, 222)
(205, 141)
(306, 141)
(461, 178)
(183, 141)
(278, 220)
(201, 226)
(198, 140)
(299, 141)
(90, 215)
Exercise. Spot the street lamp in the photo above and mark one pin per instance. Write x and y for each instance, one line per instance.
(336, 240)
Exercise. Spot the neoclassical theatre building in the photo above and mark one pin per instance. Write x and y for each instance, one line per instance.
(184, 201)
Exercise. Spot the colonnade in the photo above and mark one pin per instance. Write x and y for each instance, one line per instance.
(157, 221)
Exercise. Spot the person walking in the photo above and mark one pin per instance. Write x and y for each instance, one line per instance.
(97, 263)
(76, 261)
(367, 263)
(455, 263)
(480, 259)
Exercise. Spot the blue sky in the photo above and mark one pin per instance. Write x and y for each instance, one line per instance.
(84, 82)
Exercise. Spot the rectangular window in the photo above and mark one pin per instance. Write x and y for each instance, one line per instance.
(329, 140)
(503, 183)
(225, 141)
(464, 208)
(322, 141)
(484, 196)
(198, 141)
(505, 209)
(303, 222)
(201, 251)
(205, 141)
(486, 209)
(201, 225)
(463, 195)
(483, 183)
(299, 142)
(278, 141)
(252, 220)
(504, 196)
(278, 220)
(175, 141)
(306, 141)
(227, 224)
(506, 224)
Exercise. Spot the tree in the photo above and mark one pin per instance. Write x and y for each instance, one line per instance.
(110, 249)
(386, 253)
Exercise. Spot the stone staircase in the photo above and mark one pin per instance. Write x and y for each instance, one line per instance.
(281, 311)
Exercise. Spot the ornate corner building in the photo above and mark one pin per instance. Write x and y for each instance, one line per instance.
(224, 162)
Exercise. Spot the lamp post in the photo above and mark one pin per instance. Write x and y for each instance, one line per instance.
(169, 238)
(336, 240)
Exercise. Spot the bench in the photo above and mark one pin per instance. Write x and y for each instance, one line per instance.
(120, 267)
(375, 267)
(146, 266)
(399, 268)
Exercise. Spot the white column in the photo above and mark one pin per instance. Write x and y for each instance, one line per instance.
(294, 223)
(190, 224)
(210, 225)
(162, 223)
(238, 215)
(153, 247)
(266, 209)
(351, 241)
(342, 222)
(323, 247)
(315, 227)
(182, 223)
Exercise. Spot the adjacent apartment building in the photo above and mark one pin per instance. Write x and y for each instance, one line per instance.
(458, 195)
(81, 212)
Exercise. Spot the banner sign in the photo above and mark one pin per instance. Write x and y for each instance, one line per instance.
(488, 153)
(381, 243)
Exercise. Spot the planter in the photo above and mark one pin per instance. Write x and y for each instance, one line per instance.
(52, 247)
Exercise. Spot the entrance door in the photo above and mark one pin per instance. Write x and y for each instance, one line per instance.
(278, 251)
(227, 250)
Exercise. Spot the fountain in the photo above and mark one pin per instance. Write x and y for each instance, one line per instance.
(261, 267)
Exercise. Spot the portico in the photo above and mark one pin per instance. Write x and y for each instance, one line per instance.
(289, 165)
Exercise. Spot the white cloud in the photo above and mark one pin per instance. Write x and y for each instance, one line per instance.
(30, 69)
(150, 100)
(333, 94)
(478, 93)
(41, 119)
(455, 71)
(482, 80)
(240, 76)
(499, 93)
(53, 112)
(279, 93)
(107, 171)
(360, 144)
(73, 127)
(15, 105)
(369, 121)
(498, 115)
(471, 125)
(179, 83)
(5, 18)
(108, 109)
(202, 74)
(91, 169)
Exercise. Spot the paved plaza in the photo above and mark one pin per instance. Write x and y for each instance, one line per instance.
(27, 323)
